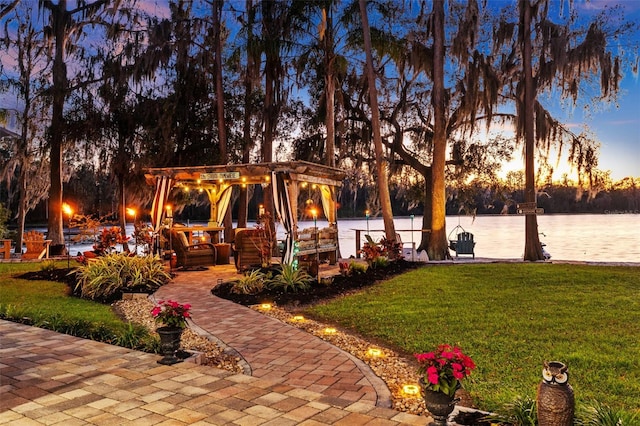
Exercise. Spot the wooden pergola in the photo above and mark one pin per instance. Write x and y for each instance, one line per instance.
(284, 178)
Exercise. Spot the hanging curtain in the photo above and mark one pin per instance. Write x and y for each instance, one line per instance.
(223, 202)
(283, 211)
(328, 205)
(163, 187)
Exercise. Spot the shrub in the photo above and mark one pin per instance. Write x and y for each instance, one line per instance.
(11, 312)
(371, 250)
(392, 249)
(288, 277)
(344, 268)
(48, 265)
(108, 276)
(598, 414)
(379, 263)
(356, 268)
(133, 336)
(127, 335)
(521, 412)
(386, 249)
(251, 283)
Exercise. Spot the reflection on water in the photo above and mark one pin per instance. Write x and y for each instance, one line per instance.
(588, 237)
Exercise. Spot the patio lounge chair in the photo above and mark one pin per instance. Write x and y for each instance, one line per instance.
(202, 254)
(248, 248)
(37, 246)
(465, 244)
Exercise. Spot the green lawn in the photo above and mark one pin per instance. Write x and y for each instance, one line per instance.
(510, 318)
(45, 299)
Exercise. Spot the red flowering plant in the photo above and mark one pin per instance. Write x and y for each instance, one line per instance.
(443, 368)
(171, 313)
(108, 239)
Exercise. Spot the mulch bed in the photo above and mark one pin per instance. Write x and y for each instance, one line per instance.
(62, 275)
(318, 292)
(68, 277)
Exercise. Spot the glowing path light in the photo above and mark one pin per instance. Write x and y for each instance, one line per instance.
(374, 352)
(411, 389)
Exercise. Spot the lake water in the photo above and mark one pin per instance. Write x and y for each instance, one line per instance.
(586, 237)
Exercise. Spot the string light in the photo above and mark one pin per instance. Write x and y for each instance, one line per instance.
(330, 330)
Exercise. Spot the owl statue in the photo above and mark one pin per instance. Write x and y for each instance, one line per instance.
(556, 403)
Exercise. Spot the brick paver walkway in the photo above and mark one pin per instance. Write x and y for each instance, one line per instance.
(274, 350)
(51, 378)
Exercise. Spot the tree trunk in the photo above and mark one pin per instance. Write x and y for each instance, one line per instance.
(22, 209)
(426, 218)
(22, 151)
(438, 247)
(532, 247)
(56, 129)
(122, 209)
(330, 89)
(243, 199)
(271, 107)
(330, 158)
(222, 123)
(381, 164)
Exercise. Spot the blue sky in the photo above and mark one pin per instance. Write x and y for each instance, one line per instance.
(618, 130)
(616, 126)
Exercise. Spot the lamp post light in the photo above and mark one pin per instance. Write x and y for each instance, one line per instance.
(133, 212)
(366, 213)
(314, 213)
(66, 209)
(169, 225)
(412, 243)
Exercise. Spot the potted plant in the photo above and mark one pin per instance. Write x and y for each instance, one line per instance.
(440, 374)
(173, 317)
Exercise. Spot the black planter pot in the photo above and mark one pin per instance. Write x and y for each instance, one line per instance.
(439, 404)
(169, 344)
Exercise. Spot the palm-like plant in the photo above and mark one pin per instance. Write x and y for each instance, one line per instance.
(290, 278)
(251, 282)
(599, 414)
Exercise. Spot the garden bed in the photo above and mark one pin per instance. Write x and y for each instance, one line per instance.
(339, 285)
